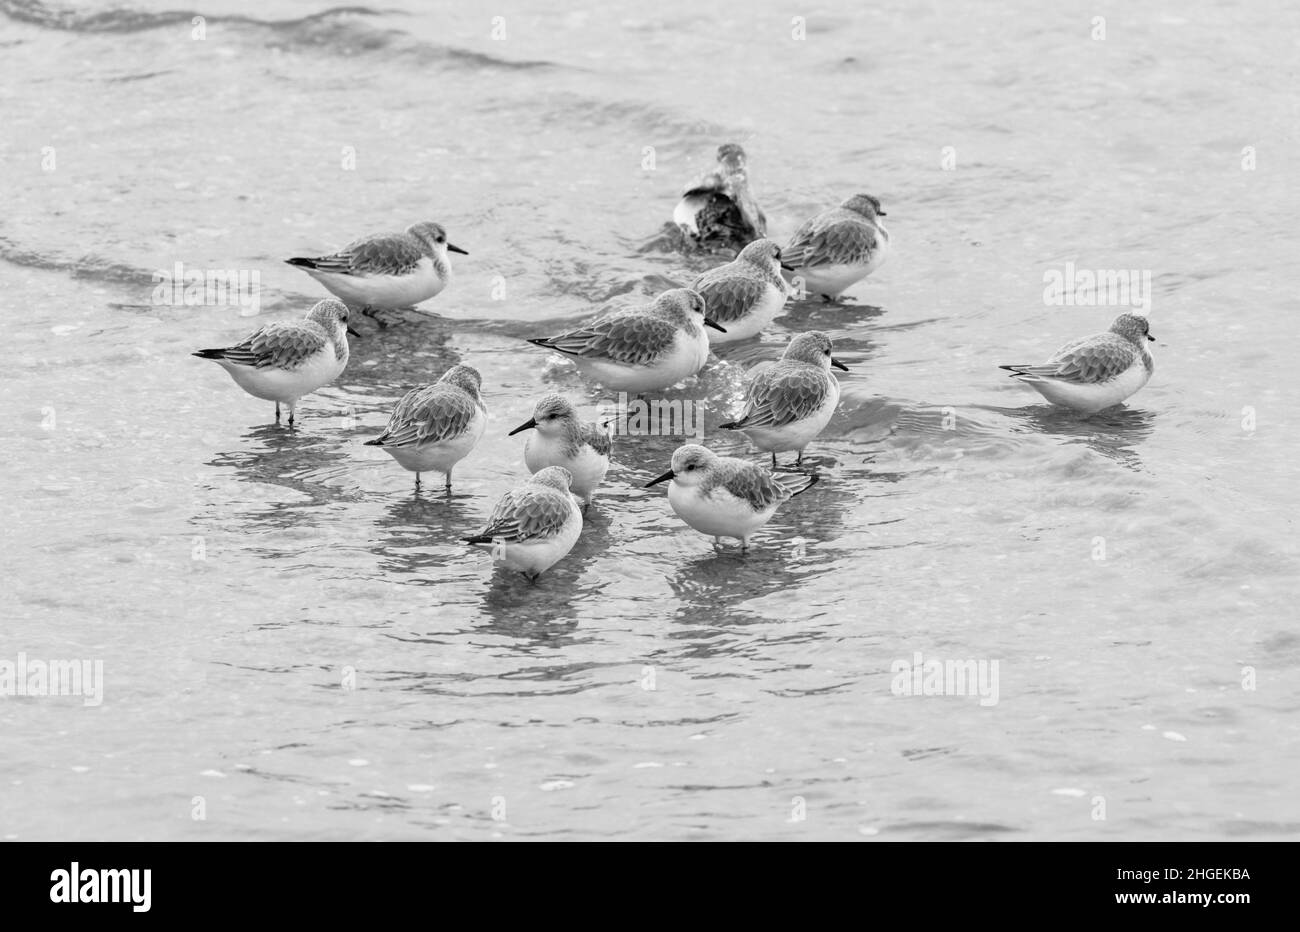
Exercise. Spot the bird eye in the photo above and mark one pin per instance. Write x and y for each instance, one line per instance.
(690, 467)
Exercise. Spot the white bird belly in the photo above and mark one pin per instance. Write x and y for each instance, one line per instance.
(719, 514)
(287, 385)
(686, 358)
(444, 454)
(388, 291)
(797, 434)
(537, 556)
(762, 313)
(1089, 399)
(685, 212)
(833, 279)
(588, 467)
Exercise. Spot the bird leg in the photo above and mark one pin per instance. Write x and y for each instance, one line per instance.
(448, 486)
(373, 313)
(417, 482)
(277, 412)
(774, 461)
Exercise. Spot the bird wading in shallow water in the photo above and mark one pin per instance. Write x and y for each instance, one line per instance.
(534, 525)
(561, 438)
(641, 349)
(745, 295)
(719, 209)
(435, 427)
(723, 496)
(386, 271)
(1094, 372)
(790, 403)
(839, 247)
(284, 360)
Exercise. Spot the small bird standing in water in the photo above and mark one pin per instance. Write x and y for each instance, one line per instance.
(719, 209)
(839, 247)
(435, 427)
(744, 295)
(284, 360)
(641, 349)
(723, 496)
(534, 525)
(790, 403)
(388, 270)
(1095, 372)
(564, 439)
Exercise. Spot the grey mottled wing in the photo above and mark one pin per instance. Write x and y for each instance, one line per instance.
(428, 415)
(284, 344)
(842, 239)
(728, 297)
(527, 513)
(755, 485)
(628, 336)
(1086, 361)
(384, 254)
(595, 437)
(784, 394)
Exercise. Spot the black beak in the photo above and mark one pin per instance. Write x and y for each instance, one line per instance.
(1151, 338)
(839, 365)
(527, 425)
(664, 478)
(881, 213)
(451, 248)
(354, 333)
(717, 327)
(788, 268)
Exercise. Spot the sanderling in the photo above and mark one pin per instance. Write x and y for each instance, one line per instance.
(723, 496)
(641, 349)
(389, 270)
(1095, 372)
(745, 295)
(435, 427)
(286, 359)
(790, 403)
(534, 524)
(719, 208)
(839, 246)
(563, 439)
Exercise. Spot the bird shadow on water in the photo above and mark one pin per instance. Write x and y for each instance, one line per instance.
(402, 535)
(297, 459)
(1115, 433)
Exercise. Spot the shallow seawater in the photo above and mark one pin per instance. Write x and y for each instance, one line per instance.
(1134, 575)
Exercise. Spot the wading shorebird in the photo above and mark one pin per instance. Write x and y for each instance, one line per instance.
(790, 403)
(388, 270)
(744, 295)
(434, 428)
(564, 439)
(723, 496)
(719, 209)
(839, 247)
(284, 360)
(1095, 372)
(641, 349)
(534, 525)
